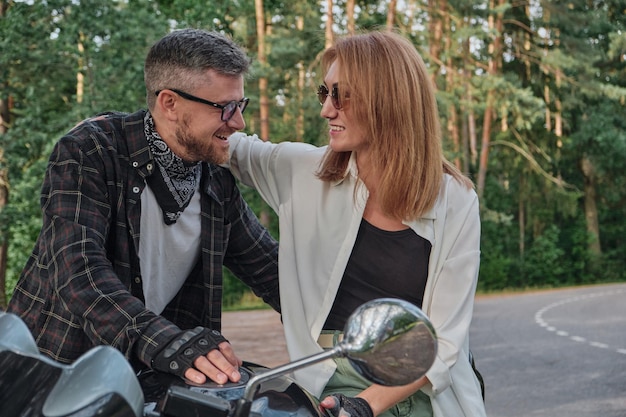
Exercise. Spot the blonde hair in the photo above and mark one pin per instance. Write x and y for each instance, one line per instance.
(391, 95)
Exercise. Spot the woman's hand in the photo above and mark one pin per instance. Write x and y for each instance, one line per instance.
(341, 406)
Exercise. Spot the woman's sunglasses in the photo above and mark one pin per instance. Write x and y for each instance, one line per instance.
(322, 95)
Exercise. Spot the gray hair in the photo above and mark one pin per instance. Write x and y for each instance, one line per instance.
(181, 58)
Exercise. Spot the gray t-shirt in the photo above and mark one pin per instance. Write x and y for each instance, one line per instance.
(167, 253)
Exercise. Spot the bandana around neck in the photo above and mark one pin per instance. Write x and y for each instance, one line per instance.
(174, 181)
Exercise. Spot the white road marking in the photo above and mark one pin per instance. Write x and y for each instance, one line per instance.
(579, 339)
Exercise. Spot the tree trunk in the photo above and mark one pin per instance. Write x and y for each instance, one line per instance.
(80, 77)
(465, 142)
(469, 115)
(391, 15)
(328, 37)
(4, 200)
(451, 85)
(4, 186)
(495, 51)
(471, 131)
(484, 147)
(546, 99)
(263, 100)
(301, 85)
(264, 110)
(521, 214)
(436, 33)
(350, 16)
(558, 120)
(591, 210)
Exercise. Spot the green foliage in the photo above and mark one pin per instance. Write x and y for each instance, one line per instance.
(543, 264)
(21, 221)
(496, 246)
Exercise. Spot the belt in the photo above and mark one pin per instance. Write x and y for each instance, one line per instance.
(329, 340)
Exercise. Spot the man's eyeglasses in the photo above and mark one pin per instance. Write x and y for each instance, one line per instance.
(335, 99)
(228, 109)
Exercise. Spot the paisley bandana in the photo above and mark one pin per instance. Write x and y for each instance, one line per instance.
(174, 181)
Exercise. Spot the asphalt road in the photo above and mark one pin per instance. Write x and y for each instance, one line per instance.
(558, 353)
(553, 353)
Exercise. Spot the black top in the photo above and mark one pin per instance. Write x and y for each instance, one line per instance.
(382, 264)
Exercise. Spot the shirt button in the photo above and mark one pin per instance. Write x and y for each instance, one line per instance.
(137, 280)
(149, 167)
(136, 190)
(135, 164)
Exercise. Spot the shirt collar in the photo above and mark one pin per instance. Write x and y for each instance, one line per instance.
(352, 171)
(139, 153)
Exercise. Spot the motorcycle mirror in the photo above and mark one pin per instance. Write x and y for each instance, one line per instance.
(389, 341)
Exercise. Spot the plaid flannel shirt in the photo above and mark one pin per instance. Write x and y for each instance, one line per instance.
(82, 285)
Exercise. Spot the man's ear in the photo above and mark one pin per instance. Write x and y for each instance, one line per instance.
(168, 104)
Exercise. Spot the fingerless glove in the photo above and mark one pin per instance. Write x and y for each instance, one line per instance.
(180, 353)
(350, 407)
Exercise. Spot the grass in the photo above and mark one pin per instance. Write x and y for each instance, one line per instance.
(248, 301)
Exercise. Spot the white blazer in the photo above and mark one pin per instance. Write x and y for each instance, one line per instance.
(318, 223)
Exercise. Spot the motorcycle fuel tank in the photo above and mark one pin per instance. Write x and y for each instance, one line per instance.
(170, 396)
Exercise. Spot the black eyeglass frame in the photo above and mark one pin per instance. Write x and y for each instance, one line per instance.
(323, 93)
(242, 104)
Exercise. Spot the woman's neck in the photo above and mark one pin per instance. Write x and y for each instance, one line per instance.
(375, 215)
(373, 210)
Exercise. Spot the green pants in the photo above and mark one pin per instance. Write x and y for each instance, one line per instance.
(347, 381)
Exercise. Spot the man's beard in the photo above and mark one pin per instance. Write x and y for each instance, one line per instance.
(198, 149)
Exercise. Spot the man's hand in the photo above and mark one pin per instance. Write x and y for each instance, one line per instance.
(220, 365)
(341, 406)
(197, 354)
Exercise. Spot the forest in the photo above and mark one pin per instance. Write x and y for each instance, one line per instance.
(531, 94)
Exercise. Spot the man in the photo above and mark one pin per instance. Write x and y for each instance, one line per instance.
(138, 220)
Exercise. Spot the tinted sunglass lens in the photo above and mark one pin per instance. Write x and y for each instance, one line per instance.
(335, 98)
(322, 94)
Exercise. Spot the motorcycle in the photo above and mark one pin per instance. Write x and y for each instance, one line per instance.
(388, 341)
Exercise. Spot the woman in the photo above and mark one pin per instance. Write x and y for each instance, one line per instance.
(379, 212)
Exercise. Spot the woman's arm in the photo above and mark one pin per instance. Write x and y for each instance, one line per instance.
(270, 168)
(381, 398)
(449, 298)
